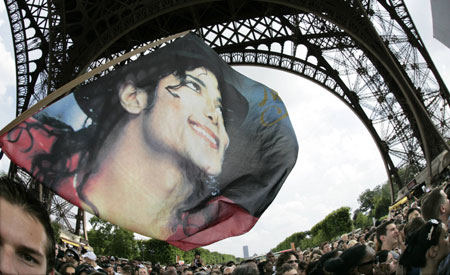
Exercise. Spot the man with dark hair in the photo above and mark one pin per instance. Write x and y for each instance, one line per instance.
(325, 248)
(436, 205)
(289, 257)
(27, 244)
(387, 236)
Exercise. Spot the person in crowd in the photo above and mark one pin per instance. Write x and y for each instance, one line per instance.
(188, 271)
(265, 268)
(359, 259)
(84, 269)
(228, 270)
(412, 213)
(289, 257)
(197, 261)
(426, 247)
(67, 269)
(90, 258)
(27, 244)
(271, 257)
(387, 236)
(245, 269)
(142, 270)
(71, 256)
(287, 269)
(436, 205)
(387, 264)
(127, 270)
(318, 268)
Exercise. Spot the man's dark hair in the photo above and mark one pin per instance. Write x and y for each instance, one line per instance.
(284, 257)
(431, 204)
(410, 210)
(381, 230)
(63, 269)
(245, 270)
(16, 194)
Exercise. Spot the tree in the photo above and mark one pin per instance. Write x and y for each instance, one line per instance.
(109, 239)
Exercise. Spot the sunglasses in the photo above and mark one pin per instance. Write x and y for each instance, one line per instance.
(292, 261)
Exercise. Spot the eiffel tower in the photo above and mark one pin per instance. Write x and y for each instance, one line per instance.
(366, 52)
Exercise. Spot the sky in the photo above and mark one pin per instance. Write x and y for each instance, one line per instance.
(337, 158)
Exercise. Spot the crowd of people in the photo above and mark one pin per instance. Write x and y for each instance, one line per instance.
(411, 241)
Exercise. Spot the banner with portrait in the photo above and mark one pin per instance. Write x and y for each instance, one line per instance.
(175, 145)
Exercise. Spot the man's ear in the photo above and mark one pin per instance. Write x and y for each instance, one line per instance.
(132, 99)
(432, 251)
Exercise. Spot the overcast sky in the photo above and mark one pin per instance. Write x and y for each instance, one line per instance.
(337, 156)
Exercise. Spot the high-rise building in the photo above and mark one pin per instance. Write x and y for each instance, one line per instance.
(246, 254)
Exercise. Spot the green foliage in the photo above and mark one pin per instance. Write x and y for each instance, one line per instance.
(334, 224)
(362, 221)
(56, 230)
(109, 239)
(164, 253)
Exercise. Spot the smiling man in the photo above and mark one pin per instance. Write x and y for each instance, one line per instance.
(26, 236)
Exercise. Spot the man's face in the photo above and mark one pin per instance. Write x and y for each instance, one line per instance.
(143, 271)
(391, 237)
(271, 257)
(414, 214)
(326, 248)
(292, 261)
(228, 270)
(446, 204)
(110, 270)
(23, 242)
(187, 120)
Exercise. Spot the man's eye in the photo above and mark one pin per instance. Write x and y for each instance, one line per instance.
(29, 259)
(193, 86)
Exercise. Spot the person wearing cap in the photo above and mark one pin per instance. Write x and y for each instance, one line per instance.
(71, 256)
(90, 258)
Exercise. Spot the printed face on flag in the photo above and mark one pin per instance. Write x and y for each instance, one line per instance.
(175, 145)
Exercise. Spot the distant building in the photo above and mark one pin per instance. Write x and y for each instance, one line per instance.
(246, 254)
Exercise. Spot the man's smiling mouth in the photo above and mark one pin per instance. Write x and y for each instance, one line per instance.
(205, 133)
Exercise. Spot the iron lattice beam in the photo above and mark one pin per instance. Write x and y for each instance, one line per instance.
(366, 52)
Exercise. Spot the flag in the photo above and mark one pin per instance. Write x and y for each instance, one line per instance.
(175, 145)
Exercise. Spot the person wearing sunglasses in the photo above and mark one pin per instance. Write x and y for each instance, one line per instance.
(289, 257)
(67, 269)
(358, 259)
(426, 247)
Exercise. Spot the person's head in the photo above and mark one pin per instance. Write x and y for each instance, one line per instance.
(387, 235)
(413, 225)
(143, 270)
(289, 257)
(228, 270)
(26, 236)
(325, 247)
(287, 269)
(387, 258)
(245, 269)
(436, 205)
(84, 269)
(413, 213)
(67, 269)
(427, 245)
(355, 260)
(71, 256)
(270, 257)
(188, 271)
(318, 268)
(90, 258)
(265, 267)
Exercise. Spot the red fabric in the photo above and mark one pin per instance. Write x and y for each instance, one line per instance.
(31, 138)
(219, 219)
(229, 220)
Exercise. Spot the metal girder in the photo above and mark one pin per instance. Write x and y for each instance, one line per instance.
(368, 53)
